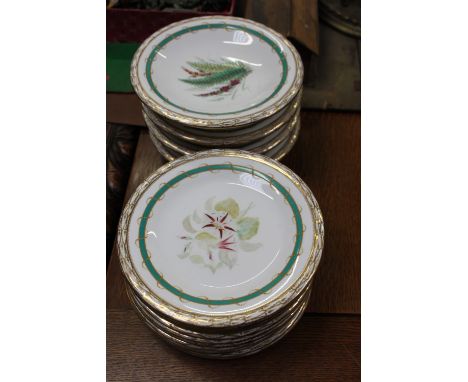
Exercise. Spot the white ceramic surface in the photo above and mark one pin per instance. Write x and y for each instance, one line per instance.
(216, 71)
(220, 236)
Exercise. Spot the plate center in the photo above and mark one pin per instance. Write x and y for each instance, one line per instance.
(221, 234)
(216, 70)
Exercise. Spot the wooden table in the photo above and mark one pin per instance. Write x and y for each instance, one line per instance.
(325, 345)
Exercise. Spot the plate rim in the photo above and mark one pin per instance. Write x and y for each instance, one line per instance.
(213, 142)
(285, 131)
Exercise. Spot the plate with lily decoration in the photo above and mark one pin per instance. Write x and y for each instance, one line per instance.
(220, 238)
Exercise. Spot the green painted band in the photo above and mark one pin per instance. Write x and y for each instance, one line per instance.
(168, 39)
(199, 300)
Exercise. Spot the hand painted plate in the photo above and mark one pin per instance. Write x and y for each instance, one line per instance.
(213, 72)
(220, 238)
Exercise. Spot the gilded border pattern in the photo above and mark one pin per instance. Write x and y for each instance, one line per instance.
(277, 152)
(225, 141)
(221, 334)
(280, 136)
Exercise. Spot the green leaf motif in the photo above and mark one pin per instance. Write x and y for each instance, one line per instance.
(220, 78)
(196, 218)
(188, 225)
(196, 259)
(228, 258)
(228, 205)
(211, 67)
(217, 78)
(186, 251)
(213, 267)
(209, 204)
(205, 236)
(247, 228)
(206, 240)
(182, 255)
(249, 247)
(205, 74)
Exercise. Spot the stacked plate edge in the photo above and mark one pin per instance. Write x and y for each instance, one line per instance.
(219, 249)
(219, 82)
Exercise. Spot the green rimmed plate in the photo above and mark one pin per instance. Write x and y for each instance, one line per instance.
(213, 72)
(220, 238)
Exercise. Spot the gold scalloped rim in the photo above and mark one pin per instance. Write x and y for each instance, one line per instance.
(283, 150)
(224, 142)
(260, 149)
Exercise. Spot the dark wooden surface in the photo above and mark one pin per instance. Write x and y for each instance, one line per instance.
(327, 157)
(325, 346)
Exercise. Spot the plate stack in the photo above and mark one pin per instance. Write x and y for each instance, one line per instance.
(219, 82)
(219, 249)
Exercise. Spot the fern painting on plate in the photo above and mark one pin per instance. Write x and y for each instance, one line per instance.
(210, 78)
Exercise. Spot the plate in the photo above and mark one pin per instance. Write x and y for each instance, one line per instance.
(259, 146)
(227, 138)
(282, 150)
(249, 348)
(219, 340)
(218, 334)
(220, 238)
(277, 153)
(216, 72)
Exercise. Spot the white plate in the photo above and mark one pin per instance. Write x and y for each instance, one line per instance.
(219, 138)
(222, 340)
(216, 72)
(220, 238)
(278, 152)
(260, 146)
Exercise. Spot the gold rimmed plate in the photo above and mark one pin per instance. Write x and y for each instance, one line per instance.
(277, 153)
(218, 334)
(243, 350)
(244, 246)
(224, 341)
(231, 138)
(260, 146)
(216, 72)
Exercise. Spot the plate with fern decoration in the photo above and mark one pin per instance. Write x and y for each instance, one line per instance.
(216, 72)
